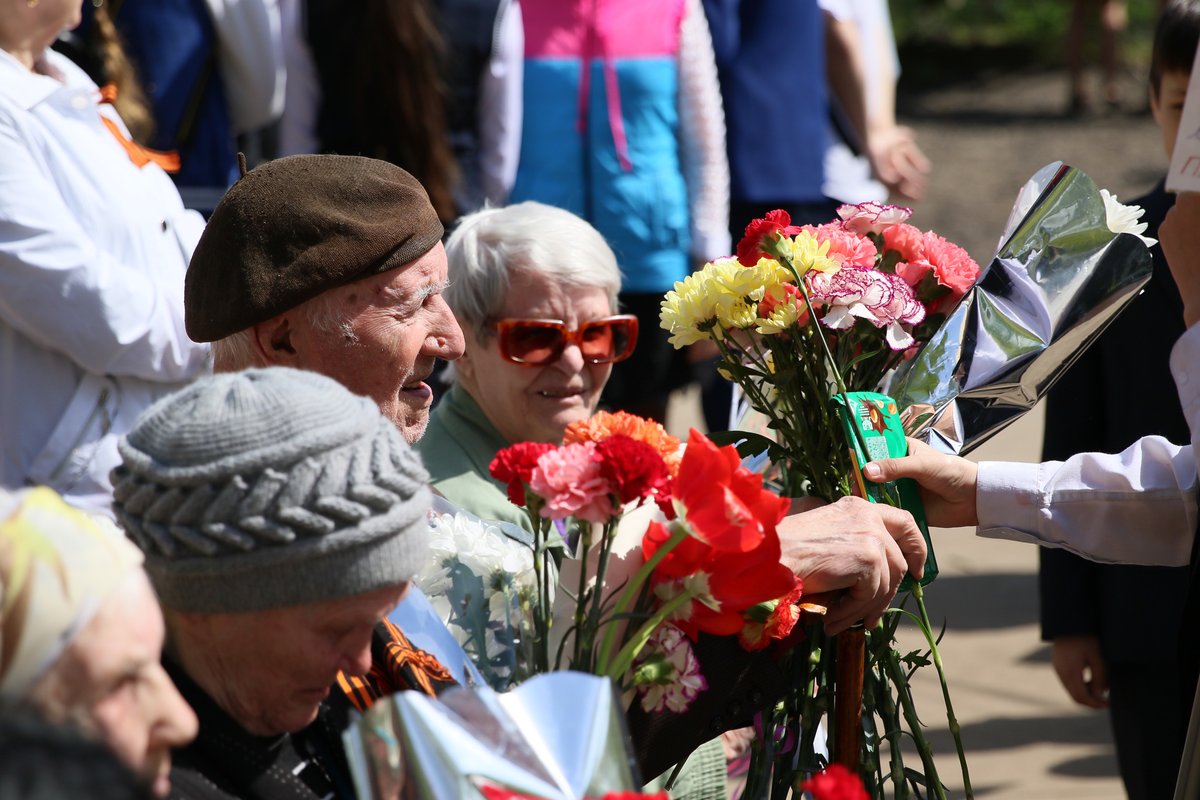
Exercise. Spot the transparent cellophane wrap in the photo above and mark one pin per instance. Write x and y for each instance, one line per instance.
(558, 736)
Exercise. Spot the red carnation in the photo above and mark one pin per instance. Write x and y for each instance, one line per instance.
(835, 782)
(514, 465)
(634, 469)
(760, 233)
(758, 632)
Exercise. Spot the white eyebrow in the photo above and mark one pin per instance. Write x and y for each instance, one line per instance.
(430, 289)
(418, 296)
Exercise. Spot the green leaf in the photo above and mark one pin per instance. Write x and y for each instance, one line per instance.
(748, 444)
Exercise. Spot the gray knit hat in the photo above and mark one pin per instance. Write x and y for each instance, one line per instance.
(268, 488)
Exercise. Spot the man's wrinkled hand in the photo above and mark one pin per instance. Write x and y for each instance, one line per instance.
(858, 549)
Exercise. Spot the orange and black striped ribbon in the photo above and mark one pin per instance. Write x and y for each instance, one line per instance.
(396, 666)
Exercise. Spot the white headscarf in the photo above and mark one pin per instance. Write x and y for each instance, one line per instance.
(57, 567)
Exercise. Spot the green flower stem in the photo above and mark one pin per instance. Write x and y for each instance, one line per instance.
(541, 616)
(888, 713)
(624, 659)
(606, 542)
(926, 628)
(625, 602)
(894, 671)
(584, 545)
(816, 701)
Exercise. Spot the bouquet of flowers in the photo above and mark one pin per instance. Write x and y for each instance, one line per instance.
(810, 321)
(633, 592)
(803, 317)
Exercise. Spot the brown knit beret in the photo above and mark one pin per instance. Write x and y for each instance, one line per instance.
(297, 226)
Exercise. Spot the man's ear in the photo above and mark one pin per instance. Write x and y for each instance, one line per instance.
(273, 341)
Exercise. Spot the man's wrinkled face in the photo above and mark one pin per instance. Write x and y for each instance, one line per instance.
(271, 669)
(396, 325)
(112, 684)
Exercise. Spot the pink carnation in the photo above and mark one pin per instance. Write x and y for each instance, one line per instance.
(922, 252)
(872, 217)
(881, 298)
(570, 480)
(682, 682)
(845, 246)
(909, 242)
(953, 267)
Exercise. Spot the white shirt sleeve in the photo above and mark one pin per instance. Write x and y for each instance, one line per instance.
(302, 93)
(250, 57)
(1134, 507)
(702, 138)
(501, 107)
(67, 294)
(838, 9)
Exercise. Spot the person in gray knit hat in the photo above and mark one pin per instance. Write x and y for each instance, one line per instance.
(268, 488)
(281, 518)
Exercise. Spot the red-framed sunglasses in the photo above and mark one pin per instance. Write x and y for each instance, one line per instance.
(534, 342)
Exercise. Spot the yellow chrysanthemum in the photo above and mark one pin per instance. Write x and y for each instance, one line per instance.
(772, 275)
(806, 253)
(738, 315)
(721, 295)
(689, 311)
(736, 281)
(779, 320)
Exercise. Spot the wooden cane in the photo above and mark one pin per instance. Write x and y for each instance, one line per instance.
(847, 697)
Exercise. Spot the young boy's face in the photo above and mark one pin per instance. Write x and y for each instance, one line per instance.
(1167, 105)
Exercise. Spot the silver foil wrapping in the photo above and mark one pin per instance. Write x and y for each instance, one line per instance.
(1059, 278)
(558, 736)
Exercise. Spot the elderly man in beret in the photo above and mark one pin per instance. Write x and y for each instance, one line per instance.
(332, 264)
(281, 518)
(335, 264)
(81, 633)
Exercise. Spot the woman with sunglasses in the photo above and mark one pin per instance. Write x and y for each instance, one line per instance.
(534, 289)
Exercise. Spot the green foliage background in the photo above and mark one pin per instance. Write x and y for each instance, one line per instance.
(946, 40)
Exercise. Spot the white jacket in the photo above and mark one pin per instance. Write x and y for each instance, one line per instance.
(93, 252)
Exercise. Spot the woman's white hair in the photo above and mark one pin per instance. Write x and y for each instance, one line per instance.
(488, 246)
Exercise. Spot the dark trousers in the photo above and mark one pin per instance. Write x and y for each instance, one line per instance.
(1144, 702)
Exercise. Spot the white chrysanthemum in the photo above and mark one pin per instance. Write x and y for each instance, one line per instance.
(1121, 218)
(474, 571)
